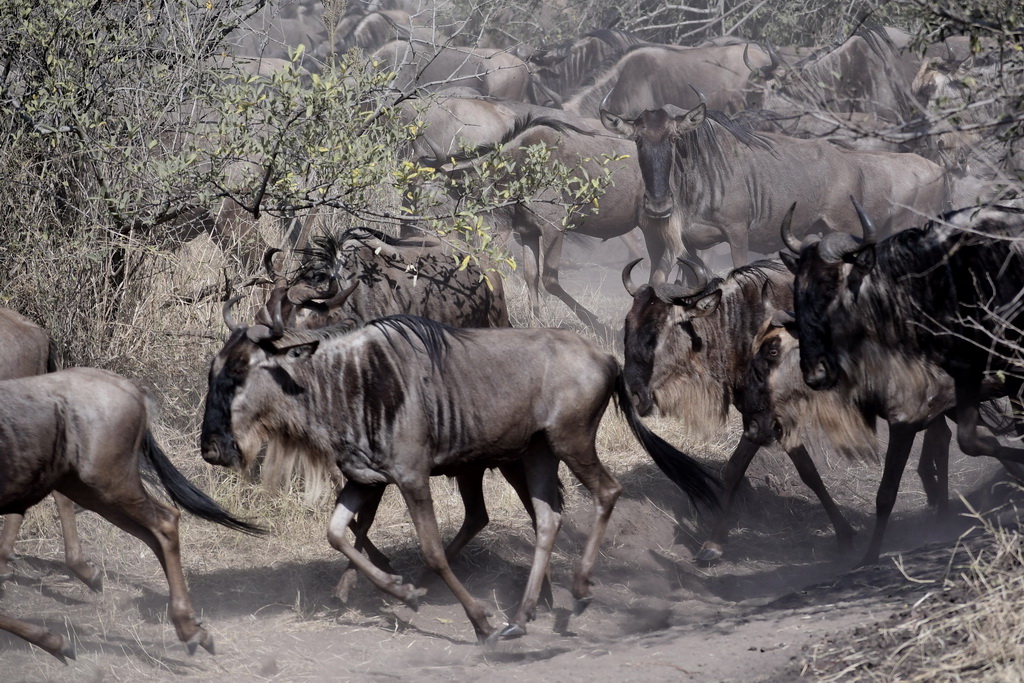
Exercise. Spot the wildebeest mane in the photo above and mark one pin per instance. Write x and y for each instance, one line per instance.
(432, 334)
(519, 126)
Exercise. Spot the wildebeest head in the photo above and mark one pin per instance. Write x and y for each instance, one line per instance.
(662, 348)
(246, 349)
(828, 275)
(655, 133)
(773, 344)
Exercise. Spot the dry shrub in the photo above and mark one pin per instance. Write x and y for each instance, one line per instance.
(966, 629)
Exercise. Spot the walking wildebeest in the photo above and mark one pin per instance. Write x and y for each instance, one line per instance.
(412, 275)
(905, 314)
(687, 350)
(25, 350)
(780, 404)
(403, 399)
(84, 432)
(719, 182)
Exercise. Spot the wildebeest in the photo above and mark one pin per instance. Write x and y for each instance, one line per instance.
(403, 399)
(687, 351)
(422, 65)
(417, 275)
(908, 312)
(780, 404)
(84, 432)
(361, 275)
(651, 76)
(27, 350)
(717, 181)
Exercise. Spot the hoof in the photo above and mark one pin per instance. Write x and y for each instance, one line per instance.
(200, 638)
(488, 642)
(581, 605)
(413, 601)
(65, 652)
(512, 631)
(708, 553)
(95, 583)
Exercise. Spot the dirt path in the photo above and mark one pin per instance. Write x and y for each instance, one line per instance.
(781, 590)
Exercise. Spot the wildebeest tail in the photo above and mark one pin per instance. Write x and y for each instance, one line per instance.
(688, 474)
(185, 494)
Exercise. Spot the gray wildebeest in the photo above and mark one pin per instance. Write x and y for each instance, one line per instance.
(717, 181)
(362, 275)
(905, 314)
(687, 351)
(422, 65)
(403, 399)
(651, 76)
(27, 350)
(780, 404)
(84, 432)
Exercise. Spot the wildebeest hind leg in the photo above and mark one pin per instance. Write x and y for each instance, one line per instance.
(605, 490)
(75, 559)
(127, 505)
(541, 471)
(352, 498)
(12, 525)
(421, 508)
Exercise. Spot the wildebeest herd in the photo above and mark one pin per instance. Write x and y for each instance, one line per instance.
(898, 295)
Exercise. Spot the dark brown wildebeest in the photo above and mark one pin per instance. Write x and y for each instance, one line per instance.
(905, 314)
(717, 181)
(423, 65)
(403, 399)
(652, 76)
(780, 404)
(687, 351)
(27, 350)
(84, 432)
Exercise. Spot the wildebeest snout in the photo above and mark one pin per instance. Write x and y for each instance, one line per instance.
(658, 207)
(818, 376)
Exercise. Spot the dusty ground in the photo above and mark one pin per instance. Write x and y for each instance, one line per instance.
(781, 593)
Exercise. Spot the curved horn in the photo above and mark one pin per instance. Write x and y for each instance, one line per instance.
(746, 60)
(700, 272)
(788, 238)
(627, 278)
(268, 263)
(700, 95)
(339, 299)
(774, 56)
(870, 233)
(229, 319)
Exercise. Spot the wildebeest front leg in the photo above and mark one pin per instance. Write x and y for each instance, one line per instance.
(542, 482)
(901, 440)
(58, 646)
(732, 475)
(933, 466)
(421, 507)
(812, 479)
(12, 525)
(360, 526)
(353, 498)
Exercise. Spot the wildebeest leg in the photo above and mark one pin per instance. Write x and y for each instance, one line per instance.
(933, 467)
(531, 271)
(126, 504)
(360, 526)
(973, 438)
(901, 440)
(541, 469)
(75, 559)
(605, 490)
(810, 477)
(551, 248)
(421, 508)
(732, 475)
(12, 525)
(350, 501)
(58, 646)
(471, 489)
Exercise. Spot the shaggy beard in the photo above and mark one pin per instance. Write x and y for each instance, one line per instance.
(702, 404)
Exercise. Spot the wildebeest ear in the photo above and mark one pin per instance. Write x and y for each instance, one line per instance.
(706, 305)
(298, 352)
(789, 260)
(617, 124)
(691, 119)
